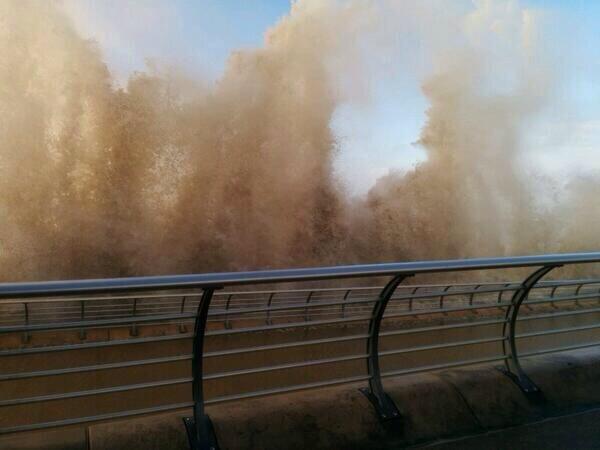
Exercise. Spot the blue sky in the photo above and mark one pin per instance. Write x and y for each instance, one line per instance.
(198, 34)
(376, 136)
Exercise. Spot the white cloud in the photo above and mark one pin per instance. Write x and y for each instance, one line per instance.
(127, 31)
(567, 148)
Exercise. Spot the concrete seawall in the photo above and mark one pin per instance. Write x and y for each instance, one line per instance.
(440, 405)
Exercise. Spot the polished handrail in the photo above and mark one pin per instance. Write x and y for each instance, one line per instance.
(13, 290)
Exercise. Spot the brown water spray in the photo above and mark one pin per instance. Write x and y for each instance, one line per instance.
(167, 175)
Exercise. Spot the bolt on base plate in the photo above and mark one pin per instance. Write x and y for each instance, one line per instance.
(528, 387)
(387, 413)
(210, 440)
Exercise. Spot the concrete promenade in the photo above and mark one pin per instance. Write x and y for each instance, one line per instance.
(470, 408)
(577, 431)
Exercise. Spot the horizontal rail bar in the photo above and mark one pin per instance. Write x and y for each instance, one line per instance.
(171, 382)
(221, 296)
(282, 390)
(479, 323)
(90, 323)
(93, 368)
(169, 359)
(436, 294)
(441, 346)
(96, 418)
(37, 289)
(222, 399)
(433, 367)
(321, 304)
(563, 298)
(177, 317)
(302, 306)
(91, 392)
(296, 365)
(185, 405)
(286, 345)
(558, 331)
(98, 344)
(287, 325)
(565, 348)
(431, 311)
(559, 314)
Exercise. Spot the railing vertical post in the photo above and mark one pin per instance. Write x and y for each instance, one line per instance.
(501, 294)
(346, 295)
(227, 303)
(577, 293)
(446, 288)
(133, 329)
(472, 296)
(199, 428)
(82, 333)
(509, 345)
(26, 334)
(182, 328)
(306, 315)
(552, 296)
(269, 302)
(384, 405)
(410, 300)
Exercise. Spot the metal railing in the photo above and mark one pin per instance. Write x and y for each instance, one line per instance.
(257, 305)
(149, 307)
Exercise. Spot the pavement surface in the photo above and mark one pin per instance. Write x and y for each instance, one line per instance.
(579, 431)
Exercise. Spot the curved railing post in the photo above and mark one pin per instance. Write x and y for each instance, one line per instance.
(269, 302)
(346, 295)
(199, 428)
(509, 344)
(182, 328)
(577, 293)
(82, 332)
(384, 405)
(446, 289)
(25, 337)
(306, 313)
(410, 300)
(227, 304)
(501, 294)
(552, 292)
(133, 329)
(472, 297)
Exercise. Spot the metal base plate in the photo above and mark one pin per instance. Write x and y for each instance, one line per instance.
(528, 387)
(210, 440)
(390, 413)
